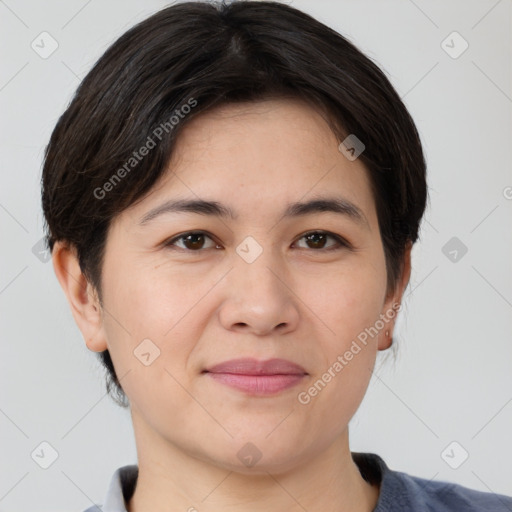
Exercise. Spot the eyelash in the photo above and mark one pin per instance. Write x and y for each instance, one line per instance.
(341, 242)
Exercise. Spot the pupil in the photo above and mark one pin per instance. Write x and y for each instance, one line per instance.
(194, 241)
(194, 244)
(315, 238)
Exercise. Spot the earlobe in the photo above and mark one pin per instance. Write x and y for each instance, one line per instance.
(392, 305)
(81, 296)
(386, 337)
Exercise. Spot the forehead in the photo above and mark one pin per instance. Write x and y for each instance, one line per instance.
(257, 156)
(278, 126)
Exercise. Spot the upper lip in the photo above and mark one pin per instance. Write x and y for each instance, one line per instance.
(249, 366)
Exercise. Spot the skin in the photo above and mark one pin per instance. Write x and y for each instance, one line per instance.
(203, 306)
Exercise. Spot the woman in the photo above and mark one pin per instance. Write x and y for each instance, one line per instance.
(231, 201)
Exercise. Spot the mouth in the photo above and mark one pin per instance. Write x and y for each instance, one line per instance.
(257, 377)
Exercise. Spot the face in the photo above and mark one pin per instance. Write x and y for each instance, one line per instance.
(256, 280)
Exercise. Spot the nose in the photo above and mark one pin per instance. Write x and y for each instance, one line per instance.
(259, 298)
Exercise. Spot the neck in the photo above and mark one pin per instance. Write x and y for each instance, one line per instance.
(329, 481)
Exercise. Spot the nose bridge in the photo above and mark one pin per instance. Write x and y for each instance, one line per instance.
(257, 299)
(258, 265)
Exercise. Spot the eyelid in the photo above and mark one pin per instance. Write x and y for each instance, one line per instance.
(342, 243)
(171, 241)
(340, 240)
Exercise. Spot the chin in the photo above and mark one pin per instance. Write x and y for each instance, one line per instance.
(257, 455)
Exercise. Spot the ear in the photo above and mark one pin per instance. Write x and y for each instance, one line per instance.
(81, 295)
(393, 301)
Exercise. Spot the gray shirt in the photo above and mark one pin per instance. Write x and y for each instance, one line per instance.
(399, 492)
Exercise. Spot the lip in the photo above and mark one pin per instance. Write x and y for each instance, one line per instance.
(257, 377)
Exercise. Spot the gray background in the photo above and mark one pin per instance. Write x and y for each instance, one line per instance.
(452, 378)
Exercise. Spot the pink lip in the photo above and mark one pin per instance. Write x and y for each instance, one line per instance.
(258, 377)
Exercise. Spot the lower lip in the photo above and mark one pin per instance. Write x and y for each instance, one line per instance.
(257, 384)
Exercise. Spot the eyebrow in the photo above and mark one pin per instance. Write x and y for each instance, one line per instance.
(213, 208)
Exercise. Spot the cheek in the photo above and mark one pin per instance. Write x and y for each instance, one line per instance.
(153, 300)
(139, 310)
(349, 306)
(154, 315)
(351, 299)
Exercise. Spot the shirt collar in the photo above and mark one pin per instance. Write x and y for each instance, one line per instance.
(120, 489)
(123, 481)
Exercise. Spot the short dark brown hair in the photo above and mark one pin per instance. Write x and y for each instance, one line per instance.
(189, 58)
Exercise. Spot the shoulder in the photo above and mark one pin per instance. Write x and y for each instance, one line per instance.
(403, 492)
(442, 496)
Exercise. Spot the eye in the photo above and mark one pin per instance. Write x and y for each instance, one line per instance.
(192, 241)
(318, 239)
